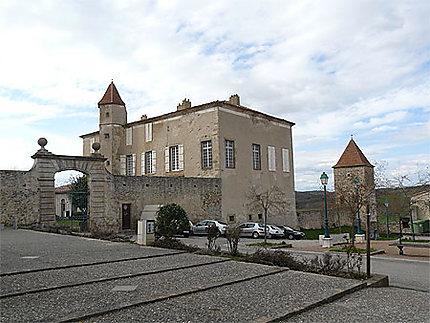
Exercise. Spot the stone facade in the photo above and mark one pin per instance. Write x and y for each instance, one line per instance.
(200, 197)
(354, 165)
(19, 197)
(125, 146)
(29, 196)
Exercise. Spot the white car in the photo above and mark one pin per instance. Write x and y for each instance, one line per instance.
(274, 231)
(251, 229)
(202, 227)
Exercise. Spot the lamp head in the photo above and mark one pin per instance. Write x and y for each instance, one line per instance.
(324, 179)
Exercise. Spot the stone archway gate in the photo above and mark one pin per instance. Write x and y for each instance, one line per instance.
(46, 165)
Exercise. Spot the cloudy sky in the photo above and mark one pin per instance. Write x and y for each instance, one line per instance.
(335, 68)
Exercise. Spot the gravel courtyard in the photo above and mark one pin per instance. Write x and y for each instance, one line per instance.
(57, 278)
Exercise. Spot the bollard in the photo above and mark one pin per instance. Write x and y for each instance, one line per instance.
(15, 224)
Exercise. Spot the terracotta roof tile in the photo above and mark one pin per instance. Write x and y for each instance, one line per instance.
(111, 96)
(62, 189)
(352, 156)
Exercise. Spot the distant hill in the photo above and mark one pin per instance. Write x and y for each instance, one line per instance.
(311, 200)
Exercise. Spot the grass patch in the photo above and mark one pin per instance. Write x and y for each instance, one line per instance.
(356, 250)
(384, 237)
(267, 244)
(416, 240)
(313, 234)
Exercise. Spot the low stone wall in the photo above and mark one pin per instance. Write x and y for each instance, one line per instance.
(19, 197)
(200, 197)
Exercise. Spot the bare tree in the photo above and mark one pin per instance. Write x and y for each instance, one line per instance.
(350, 199)
(409, 185)
(267, 200)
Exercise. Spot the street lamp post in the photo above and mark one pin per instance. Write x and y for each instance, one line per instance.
(386, 218)
(356, 183)
(324, 181)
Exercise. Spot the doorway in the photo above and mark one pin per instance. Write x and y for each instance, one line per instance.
(126, 216)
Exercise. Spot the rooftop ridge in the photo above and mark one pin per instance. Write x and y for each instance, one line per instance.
(111, 96)
(352, 156)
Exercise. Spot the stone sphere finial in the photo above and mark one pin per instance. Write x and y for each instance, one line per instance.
(42, 142)
(96, 146)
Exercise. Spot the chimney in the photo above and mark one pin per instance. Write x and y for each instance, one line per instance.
(185, 105)
(234, 99)
(143, 117)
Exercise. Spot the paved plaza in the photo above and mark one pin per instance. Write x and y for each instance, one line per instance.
(58, 278)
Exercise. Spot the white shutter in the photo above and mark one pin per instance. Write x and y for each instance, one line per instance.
(285, 160)
(181, 157)
(129, 136)
(133, 173)
(148, 132)
(271, 158)
(154, 162)
(142, 163)
(91, 145)
(166, 159)
(122, 166)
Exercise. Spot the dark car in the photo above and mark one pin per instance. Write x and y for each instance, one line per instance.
(291, 233)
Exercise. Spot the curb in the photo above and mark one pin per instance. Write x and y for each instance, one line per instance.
(378, 280)
(302, 309)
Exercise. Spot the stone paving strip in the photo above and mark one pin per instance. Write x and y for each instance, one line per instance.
(382, 305)
(54, 279)
(20, 247)
(80, 301)
(264, 299)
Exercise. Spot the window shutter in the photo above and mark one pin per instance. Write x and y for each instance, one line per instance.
(142, 163)
(91, 145)
(154, 162)
(166, 159)
(129, 136)
(122, 166)
(271, 158)
(148, 132)
(181, 157)
(285, 160)
(133, 173)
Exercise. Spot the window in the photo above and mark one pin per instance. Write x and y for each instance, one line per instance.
(271, 158)
(129, 136)
(249, 217)
(285, 160)
(148, 162)
(231, 218)
(229, 154)
(106, 136)
(130, 163)
(174, 158)
(260, 216)
(256, 160)
(148, 132)
(207, 154)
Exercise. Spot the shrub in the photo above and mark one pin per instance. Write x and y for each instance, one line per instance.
(213, 234)
(174, 244)
(233, 236)
(171, 220)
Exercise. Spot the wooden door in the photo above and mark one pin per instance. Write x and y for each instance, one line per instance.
(126, 215)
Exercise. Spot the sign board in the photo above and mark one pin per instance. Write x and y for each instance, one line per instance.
(150, 226)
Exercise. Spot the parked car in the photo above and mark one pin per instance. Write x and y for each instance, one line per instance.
(251, 229)
(201, 227)
(274, 231)
(291, 233)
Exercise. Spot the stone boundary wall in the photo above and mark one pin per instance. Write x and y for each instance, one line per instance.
(314, 219)
(19, 197)
(200, 197)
